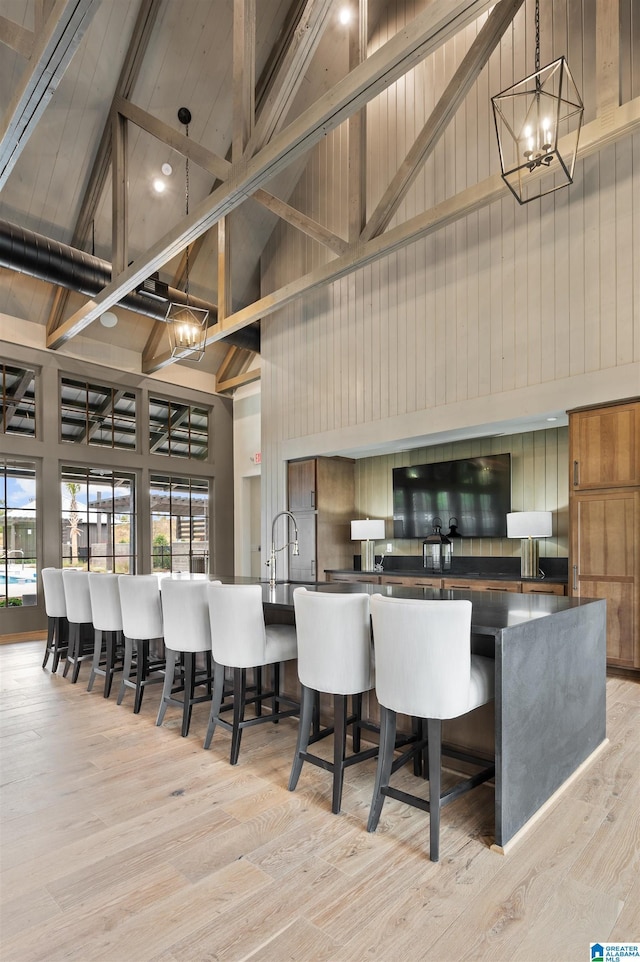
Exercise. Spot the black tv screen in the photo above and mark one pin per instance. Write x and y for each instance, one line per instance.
(474, 491)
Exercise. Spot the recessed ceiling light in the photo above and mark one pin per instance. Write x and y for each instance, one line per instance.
(159, 185)
(109, 319)
(345, 16)
(167, 169)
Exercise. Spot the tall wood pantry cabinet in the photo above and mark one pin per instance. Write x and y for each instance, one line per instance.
(322, 497)
(604, 509)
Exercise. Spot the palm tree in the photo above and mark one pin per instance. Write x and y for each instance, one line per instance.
(74, 519)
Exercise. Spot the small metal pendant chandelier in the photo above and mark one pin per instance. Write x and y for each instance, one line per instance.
(531, 117)
(187, 324)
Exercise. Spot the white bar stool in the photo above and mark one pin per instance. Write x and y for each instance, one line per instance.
(56, 608)
(424, 668)
(107, 624)
(240, 640)
(141, 624)
(79, 616)
(185, 613)
(335, 657)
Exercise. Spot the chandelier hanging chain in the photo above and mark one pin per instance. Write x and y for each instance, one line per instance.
(186, 211)
(537, 21)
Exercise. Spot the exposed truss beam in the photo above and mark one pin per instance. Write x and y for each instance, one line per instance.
(290, 73)
(593, 137)
(101, 168)
(439, 21)
(17, 37)
(51, 55)
(244, 66)
(457, 89)
(233, 382)
(222, 170)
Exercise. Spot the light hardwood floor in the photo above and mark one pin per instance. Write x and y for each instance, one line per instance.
(127, 843)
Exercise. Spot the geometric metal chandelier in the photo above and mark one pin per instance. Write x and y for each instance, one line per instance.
(187, 324)
(531, 118)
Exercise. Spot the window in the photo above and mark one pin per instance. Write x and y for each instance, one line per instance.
(179, 524)
(98, 519)
(18, 516)
(18, 387)
(98, 415)
(178, 430)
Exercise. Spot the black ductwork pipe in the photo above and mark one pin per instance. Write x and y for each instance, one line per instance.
(47, 260)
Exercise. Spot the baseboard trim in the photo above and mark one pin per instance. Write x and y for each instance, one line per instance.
(23, 636)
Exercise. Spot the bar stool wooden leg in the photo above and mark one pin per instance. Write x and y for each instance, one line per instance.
(216, 702)
(172, 657)
(434, 731)
(385, 761)
(189, 689)
(339, 748)
(239, 699)
(308, 699)
(142, 670)
(126, 670)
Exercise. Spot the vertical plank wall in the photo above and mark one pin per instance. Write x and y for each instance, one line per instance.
(508, 312)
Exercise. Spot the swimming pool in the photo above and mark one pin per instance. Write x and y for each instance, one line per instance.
(28, 578)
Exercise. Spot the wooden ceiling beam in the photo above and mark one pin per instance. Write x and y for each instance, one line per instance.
(439, 21)
(290, 73)
(244, 74)
(101, 167)
(233, 382)
(595, 136)
(457, 89)
(50, 57)
(17, 37)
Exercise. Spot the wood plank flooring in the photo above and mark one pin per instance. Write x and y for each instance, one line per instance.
(124, 842)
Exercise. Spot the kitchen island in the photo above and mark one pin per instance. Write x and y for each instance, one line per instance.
(550, 675)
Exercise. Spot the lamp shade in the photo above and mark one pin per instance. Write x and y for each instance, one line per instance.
(529, 524)
(367, 530)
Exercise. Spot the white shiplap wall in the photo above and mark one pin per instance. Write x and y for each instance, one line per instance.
(499, 312)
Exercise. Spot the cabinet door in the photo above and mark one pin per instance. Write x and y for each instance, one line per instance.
(605, 447)
(302, 485)
(604, 563)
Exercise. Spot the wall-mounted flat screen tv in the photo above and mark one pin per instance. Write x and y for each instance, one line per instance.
(474, 491)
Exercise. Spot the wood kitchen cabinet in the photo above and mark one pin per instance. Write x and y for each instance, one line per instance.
(604, 446)
(604, 510)
(322, 497)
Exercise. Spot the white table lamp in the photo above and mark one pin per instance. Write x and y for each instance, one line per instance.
(528, 526)
(367, 532)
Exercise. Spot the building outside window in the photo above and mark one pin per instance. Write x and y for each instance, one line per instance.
(97, 415)
(18, 517)
(178, 430)
(98, 519)
(18, 397)
(179, 524)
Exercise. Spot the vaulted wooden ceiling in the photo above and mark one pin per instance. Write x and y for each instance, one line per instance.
(90, 93)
